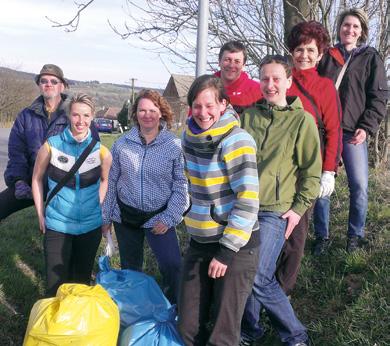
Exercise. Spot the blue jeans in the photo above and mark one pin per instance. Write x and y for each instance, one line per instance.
(355, 158)
(266, 292)
(164, 246)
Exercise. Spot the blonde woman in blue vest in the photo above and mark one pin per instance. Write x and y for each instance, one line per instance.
(72, 220)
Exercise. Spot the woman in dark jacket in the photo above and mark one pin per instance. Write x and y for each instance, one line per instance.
(362, 91)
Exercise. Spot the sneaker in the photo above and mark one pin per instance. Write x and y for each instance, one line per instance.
(352, 244)
(244, 342)
(321, 246)
(301, 344)
(355, 242)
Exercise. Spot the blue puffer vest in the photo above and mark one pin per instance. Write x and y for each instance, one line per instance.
(75, 209)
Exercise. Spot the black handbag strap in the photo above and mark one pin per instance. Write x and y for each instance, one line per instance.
(72, 171)
(313, 104)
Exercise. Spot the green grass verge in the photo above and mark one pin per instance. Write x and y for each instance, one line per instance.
(342, 298)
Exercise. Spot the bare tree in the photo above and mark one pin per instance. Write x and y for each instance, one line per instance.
(15, 94)
(170, 27)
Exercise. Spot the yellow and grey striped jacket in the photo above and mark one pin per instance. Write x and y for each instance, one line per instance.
(222, 170)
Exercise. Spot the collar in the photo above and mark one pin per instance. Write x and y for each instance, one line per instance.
(38, 106)
(341, 55)
(235, 84)
(207, 141)
(293, 103)
(305, 74)
(68, 137)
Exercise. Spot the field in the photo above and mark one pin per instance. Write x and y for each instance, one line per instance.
(342, 298)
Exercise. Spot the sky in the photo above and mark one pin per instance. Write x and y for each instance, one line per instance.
(93, 52)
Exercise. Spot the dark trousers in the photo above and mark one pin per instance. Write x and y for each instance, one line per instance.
(9, 204)
(227, 296)
(290, 258)
(69, 258)
(164, 246)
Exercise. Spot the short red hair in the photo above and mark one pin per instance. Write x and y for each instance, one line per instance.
(305, 32)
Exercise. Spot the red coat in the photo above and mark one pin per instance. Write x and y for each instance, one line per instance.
(327, 101)
(243, 92)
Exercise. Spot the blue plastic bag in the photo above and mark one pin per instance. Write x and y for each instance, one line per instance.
(152, 333)
(137, 295)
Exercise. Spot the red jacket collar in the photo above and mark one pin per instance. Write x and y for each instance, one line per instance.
(235, 84)
(337, 55)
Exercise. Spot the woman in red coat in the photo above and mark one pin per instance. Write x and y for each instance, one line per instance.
(307, 42)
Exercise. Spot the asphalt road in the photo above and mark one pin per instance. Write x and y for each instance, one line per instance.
(4, 134)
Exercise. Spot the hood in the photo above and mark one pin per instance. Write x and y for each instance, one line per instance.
(207, 141)
(293, 103)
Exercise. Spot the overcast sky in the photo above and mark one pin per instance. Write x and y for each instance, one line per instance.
(93, 52)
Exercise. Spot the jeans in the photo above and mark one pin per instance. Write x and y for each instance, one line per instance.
(164, 246)
(266, 292)
(223, 298)
(69, 258)
(355, 158)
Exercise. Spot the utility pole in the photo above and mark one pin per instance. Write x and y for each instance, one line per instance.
(132, 91)
(202, 36)
(131, 100)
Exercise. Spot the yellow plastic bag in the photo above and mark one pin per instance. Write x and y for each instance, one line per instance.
(79, 315)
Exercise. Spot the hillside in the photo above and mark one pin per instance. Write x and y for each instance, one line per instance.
(105, 94)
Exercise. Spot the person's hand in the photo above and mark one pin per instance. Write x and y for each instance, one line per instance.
(159, 228)
(216, 269)
(292, 220)
(42, 225)
(106, 229)
(359, 137)
(22, 190)
(327, 184)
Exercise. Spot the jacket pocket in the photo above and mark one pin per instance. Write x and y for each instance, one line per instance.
(277, 186)
(216, 217)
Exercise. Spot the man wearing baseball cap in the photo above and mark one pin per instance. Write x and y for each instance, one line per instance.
(45, 117)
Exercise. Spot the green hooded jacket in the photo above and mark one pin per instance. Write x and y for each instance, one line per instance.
(288, 155)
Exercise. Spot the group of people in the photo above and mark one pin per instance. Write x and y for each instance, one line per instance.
(254, 162)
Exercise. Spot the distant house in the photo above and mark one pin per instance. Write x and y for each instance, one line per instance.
(176, 94)
(109, 113)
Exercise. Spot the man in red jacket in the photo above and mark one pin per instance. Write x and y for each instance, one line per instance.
(242, 91)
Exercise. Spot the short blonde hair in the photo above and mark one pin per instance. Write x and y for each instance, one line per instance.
(82, 98)
(363, 19)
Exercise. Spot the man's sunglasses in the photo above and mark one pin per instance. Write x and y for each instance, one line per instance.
(45, 81)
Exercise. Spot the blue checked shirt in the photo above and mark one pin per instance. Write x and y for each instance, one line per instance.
(147, 176)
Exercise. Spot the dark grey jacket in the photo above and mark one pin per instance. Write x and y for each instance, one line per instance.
(363, 90)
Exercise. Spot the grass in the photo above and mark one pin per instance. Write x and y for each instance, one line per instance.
(342, 298)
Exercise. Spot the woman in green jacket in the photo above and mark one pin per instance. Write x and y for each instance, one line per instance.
(289, 166)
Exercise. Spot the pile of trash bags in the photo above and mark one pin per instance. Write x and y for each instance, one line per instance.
(146, 316)
(124, 303)
(77, 315)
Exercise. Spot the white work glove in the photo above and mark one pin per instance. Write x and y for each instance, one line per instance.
(327, 184)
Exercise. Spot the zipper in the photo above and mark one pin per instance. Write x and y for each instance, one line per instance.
(277, 188)
(142, 177)
(77, 182)
(268, 127)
